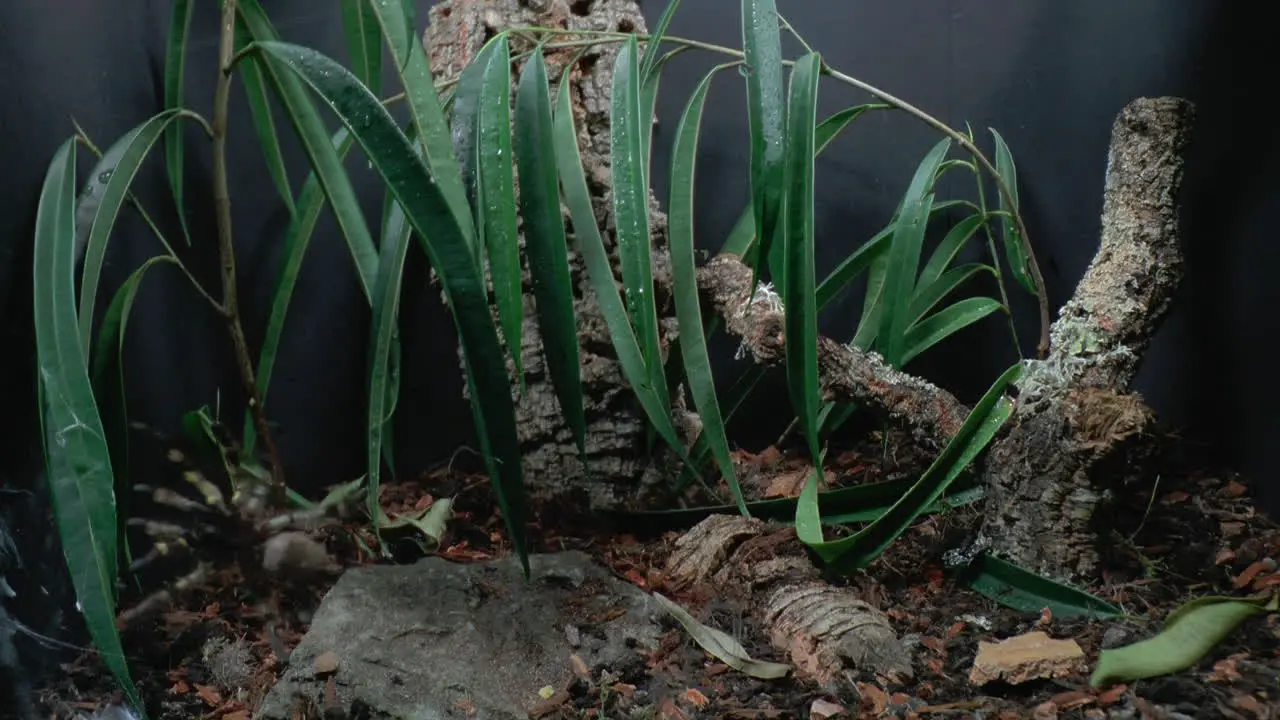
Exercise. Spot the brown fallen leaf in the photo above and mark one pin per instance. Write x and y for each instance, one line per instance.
(1251, 572)
(695, 698)
(874, 700)
(209, 695)
(1224, 556)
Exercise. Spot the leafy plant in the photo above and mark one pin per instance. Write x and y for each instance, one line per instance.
(449, 175)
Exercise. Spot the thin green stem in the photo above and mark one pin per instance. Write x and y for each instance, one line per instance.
(995, 259)
(786, 25)
(226, 250)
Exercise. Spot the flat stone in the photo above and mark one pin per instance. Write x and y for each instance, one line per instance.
(438, 639)
(1026, 657)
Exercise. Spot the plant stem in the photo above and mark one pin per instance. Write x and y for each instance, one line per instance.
(226, 251)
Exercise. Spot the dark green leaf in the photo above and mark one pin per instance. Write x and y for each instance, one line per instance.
(360, 27)
(175, 61)
(496, 196)
(599, 271)
(978, 429)
(264, 123)
(653, 46)
(631, 210)
(104, 194)
(1023, 590)
(903, 259)
(77, 459)
(693, 349)
(946, 252)
(929, 296)
(766, 113)
(407, 176)
(320, 151)
(799, 293)
(1013, 248)
(297, 238)
(466, 112)
(944, 323)
(545, 243)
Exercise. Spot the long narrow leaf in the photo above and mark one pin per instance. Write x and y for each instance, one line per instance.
(297, 238)
(599, 271)
(546, 245)
(466, 110)
(929, 296)
(106, 190)
(742, 237)
(653, 46)
(1013, 247)
(406, 175)
(414, 69)
(77, 459)
(360, 27)
(631, 210)
(175, 61)
(766, 113)
(903, 260)
(944, 323)
(799, 293)
(324, 159)
(496, 197)
(946, 252)
(264, 124)
(697, 362)
(977, 431)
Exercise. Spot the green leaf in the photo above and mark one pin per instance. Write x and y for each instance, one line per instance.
(106, 190)
(383, 346)
(175, 61)
(414, 69)
(631, 210)
(599, 271)
(766, 113)
(1013, 248)
(944, 323)
(545, 243)
(1018, 588)
(264, 123)
(466, 111)
(297, 238)
(496, 197)
(407, 176)
(928, 296)
(320, 151)
(653, 46)
(693, 349)
(979, 428)
(946, 252)
(742, 237)
(1189, 633)
(799, 293)
(77, 459)
(360, 26)
(110, 343)
(903, 260)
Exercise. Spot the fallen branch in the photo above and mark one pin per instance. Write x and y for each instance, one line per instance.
(1047, 477)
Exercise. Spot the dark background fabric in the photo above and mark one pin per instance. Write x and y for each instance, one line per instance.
(1050, 76)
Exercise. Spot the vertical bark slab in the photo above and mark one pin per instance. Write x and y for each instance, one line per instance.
(1059, 462)
(620, 472)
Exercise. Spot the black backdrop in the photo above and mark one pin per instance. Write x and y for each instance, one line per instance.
(1050, 76)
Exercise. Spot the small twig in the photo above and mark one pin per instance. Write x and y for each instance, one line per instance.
(226, 250)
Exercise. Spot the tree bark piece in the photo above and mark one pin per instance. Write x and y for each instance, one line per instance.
(847, 373)
(822, 629)
(620, 474)
(1049, 474)
(1048, 478)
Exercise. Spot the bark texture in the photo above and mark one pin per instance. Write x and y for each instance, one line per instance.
(1047, 478)
(619, 473)
(822, 629)
(1048, 475)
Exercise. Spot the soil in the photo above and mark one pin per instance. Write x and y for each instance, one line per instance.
(1200, 534)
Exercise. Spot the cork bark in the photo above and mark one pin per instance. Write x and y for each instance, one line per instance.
(620, 472)
(1051, 472)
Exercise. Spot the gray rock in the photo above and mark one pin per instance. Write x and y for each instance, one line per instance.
(430, 640)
